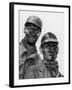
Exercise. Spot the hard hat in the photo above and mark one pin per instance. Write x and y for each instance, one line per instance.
(49, 37)
(34, 20)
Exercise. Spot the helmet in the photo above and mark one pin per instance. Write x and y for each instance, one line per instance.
(49, 37)
(34, 20)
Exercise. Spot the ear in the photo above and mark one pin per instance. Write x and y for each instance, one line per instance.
(41, 51)
(26, 31)
(38, 34)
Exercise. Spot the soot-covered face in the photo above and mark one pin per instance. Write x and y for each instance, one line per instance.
(32, 33)
(50, 51)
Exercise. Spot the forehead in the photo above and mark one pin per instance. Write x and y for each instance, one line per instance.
(30, 25)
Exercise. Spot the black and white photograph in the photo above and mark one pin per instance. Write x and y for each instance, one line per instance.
(40, 35)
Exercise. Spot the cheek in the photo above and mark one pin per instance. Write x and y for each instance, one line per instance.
(46, 52)
(55, 56)
(26, 31)
(38, 34)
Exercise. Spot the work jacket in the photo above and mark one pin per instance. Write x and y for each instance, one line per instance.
(43, 69)
(25, 51)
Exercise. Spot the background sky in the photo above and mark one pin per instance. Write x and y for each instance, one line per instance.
(52, 22)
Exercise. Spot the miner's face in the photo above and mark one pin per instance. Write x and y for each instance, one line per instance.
(32, 33)
(50, 51)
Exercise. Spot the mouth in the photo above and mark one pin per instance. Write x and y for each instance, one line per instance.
(50, 55)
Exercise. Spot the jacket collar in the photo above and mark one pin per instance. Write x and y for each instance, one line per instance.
(52, 67)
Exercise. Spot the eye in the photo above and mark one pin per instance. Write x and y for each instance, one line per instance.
(29, 29)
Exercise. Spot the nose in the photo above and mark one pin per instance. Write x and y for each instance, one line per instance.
(52, 49)
(33, 34)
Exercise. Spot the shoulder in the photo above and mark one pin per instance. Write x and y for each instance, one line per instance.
(29, 62)
(39, 66)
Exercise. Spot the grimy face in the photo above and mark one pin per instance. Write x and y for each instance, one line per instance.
(32, 33)
(50, 51)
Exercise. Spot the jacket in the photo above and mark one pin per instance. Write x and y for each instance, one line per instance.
(25, 51)
(40, 70)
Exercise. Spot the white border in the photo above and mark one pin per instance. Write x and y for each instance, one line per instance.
(16, 47)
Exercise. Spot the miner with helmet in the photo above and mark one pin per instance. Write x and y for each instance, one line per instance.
(32, 30)
(48, 67)
(49, 48)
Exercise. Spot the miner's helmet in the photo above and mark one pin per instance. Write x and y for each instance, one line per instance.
(49, 38)
(35, 20)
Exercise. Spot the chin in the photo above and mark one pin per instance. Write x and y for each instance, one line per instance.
(51, 59)
(31, 42)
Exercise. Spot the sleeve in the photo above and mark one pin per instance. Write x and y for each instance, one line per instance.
(29, 74)
(22, 58)
(28, 68)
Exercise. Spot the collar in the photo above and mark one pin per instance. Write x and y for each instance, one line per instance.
(52, 67)
(50, 62)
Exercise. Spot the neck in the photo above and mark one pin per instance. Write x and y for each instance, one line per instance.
(31, 44)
